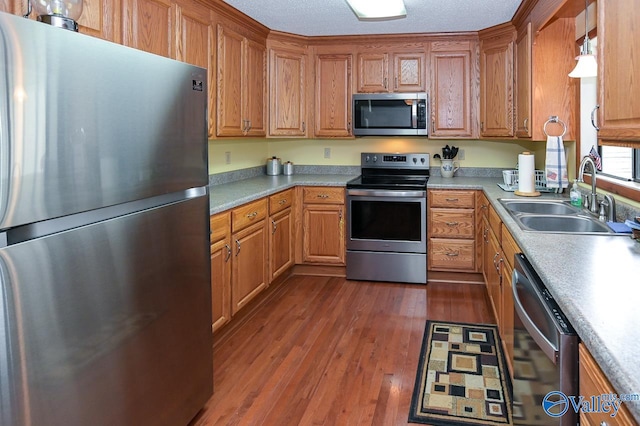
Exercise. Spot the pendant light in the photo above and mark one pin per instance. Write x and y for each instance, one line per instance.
(587, 65)
(59, 13)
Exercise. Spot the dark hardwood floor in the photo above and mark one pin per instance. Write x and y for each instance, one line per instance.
(327, 351)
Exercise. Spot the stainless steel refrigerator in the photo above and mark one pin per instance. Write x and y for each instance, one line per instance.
(105, 301)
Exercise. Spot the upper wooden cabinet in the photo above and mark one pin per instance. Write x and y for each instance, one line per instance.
(522, 71)
(241, 84)
(195, 44)
(287, 90)
(496, 82)
(397, 71)
(618, 73)
(99, 18)
(454, 97)
(148, 25)
(543, 87)
(333, 95)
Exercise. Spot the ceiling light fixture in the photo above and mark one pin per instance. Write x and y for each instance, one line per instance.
(378, 9)
(587, 65)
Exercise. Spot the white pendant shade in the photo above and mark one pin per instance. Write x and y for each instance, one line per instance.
(378, 9)
(586, 67)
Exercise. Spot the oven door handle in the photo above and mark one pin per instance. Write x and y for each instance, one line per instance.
(385, 193)
(538, 336)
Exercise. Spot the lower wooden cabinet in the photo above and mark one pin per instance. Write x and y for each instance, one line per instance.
(220, 226)
(323, 216)
(249, 253)
(281, 234)
(594, 382)
(452, 231)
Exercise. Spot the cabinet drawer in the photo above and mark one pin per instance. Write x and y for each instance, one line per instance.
(593, 382)
(452, 223)
(452, 199)
(451, 254)
(280, 201)
(219, 227)
(248, 214)
(323, 195)
(509, 245)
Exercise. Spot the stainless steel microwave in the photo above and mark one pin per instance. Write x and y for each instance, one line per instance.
(390, 114)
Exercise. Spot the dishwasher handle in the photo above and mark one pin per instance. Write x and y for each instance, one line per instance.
(538, 336)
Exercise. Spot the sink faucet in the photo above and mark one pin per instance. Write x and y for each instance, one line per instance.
(593, 202)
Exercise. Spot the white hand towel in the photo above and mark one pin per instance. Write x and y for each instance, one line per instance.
(556, 163)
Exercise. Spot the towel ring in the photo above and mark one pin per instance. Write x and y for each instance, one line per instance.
(554, 119)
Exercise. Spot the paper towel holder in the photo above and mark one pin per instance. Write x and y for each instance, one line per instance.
(554, 119)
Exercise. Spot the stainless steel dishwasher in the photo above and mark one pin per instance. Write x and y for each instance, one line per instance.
(545, 355)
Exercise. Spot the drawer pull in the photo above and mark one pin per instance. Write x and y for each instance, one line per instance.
(452, 224)
(324, 196)
(283, 201)
(452, 200)
(252, 215)
(453, 253)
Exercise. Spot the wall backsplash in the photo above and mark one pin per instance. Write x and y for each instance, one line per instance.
(247, 153)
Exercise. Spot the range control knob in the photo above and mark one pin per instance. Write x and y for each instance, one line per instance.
(415, 160)
(375, 158)
(367, 159)
(422, 160)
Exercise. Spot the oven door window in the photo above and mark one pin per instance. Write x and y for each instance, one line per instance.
(386, 220)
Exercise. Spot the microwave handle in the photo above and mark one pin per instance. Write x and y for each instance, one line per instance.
(414, 114)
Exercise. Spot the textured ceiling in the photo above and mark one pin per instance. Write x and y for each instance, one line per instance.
(334, 17)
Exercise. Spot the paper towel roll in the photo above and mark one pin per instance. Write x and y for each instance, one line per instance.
(526, 172)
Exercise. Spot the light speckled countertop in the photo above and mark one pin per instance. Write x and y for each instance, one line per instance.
(593, 278)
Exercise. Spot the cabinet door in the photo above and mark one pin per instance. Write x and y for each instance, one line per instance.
(99, 19)
(452, 111)
(249, 269)
(147, 25)
(333, 95)
(229, 100)
(409, 72)
(195, 41)
(506, 311)
(280, 243)
(254, 72)
(523, 82)
(220, 284)
(373, 72)
(618, 73)
(323, 234)
(496, 87)
(287, 98)
(493, 260)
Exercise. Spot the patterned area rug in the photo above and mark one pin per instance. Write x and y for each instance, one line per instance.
(462, 377)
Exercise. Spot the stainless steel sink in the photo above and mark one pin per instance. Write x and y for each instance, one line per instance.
(540, 207)
(561, 223)
(553, 216)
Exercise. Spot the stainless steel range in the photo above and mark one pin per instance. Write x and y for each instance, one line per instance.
(387, 218)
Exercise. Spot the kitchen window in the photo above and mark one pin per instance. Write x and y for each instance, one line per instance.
(621, 163)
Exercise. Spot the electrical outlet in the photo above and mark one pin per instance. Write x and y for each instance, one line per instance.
(327, 153)
(461, 154)
(227, 157)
